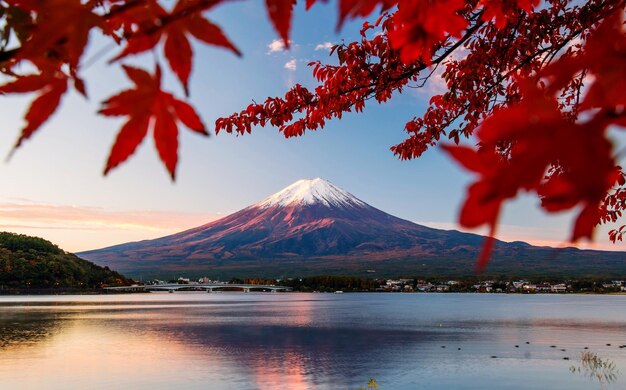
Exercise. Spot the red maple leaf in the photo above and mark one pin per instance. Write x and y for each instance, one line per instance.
(280, 13)
(547, 154)
(484, 197)
(503, 10)
(155, 23)
(420, 25)
(60, 31)
(51, 86)
(355, 8)
(148, 106)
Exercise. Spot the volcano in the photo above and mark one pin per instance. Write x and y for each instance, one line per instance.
(315, 227)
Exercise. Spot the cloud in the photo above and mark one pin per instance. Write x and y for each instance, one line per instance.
(47, 215)
(324, 46)
(277, 45)
(79, 227)
(291, 64)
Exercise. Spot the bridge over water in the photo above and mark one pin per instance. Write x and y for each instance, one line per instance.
(208, 287)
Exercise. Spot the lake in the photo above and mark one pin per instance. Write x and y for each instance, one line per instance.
(309, 341)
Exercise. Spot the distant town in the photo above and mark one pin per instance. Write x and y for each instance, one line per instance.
(413, 285)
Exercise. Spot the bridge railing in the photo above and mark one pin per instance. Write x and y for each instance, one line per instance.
(211, 287)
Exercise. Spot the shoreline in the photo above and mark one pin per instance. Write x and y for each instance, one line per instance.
(62, 291)
(53, 292)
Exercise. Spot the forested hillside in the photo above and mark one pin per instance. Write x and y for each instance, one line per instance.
(32, 262)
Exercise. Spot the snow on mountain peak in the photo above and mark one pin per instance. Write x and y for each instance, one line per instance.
(312, 191)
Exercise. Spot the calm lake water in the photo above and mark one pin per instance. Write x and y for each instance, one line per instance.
(308, 341)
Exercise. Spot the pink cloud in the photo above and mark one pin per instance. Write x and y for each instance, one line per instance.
(79, 227)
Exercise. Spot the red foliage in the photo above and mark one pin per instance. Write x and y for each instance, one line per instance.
(174, 27)
(144, 105)
(568, 161)
(537, 88)
(503, 11)
(419, 26)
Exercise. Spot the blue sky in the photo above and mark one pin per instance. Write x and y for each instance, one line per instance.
(53, 186)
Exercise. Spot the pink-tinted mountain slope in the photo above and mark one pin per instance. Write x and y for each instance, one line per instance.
(309, 222)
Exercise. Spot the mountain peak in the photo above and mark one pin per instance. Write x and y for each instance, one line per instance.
(312, 191)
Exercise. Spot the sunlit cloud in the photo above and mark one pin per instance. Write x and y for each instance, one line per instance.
(291, 65)
(74, 216)
(324, 46)
(277, 45)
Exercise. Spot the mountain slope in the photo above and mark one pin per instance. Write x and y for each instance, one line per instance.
(313, 226)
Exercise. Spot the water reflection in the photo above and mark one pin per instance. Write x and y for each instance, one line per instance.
(263, 353)
(260, 342)
(25, 328)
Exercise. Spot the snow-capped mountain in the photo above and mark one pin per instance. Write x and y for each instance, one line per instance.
(311, 226)
(309, 192)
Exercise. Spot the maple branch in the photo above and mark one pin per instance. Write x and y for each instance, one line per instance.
(552, 49)
(496, 83)
(467, 130)
(404, 76)
(427, 77)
